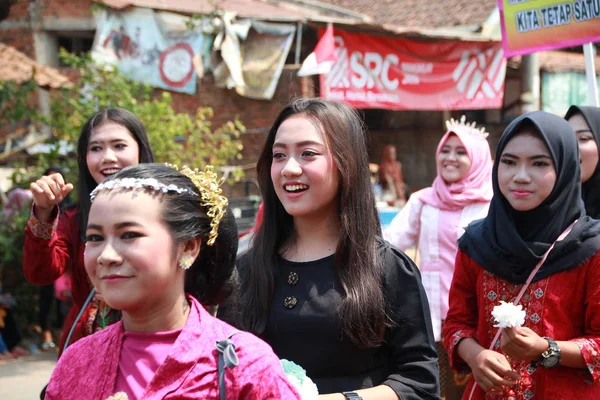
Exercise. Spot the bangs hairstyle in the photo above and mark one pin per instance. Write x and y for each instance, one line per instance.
(362, 312)
(86, 183)
(208, 279)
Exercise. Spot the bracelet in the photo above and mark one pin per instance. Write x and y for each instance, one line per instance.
(352, 396)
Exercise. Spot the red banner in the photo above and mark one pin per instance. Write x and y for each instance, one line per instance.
(401, 74)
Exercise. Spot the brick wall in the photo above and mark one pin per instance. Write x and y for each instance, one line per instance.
(20, 38)
(15, 30)
(19, 10)
(67, 8)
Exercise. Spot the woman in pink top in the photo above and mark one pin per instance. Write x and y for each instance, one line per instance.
(160, 247)
(434, 218)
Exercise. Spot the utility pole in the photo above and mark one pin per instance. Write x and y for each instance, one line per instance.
(530, 83)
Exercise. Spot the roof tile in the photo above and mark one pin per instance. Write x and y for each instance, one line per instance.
(421, 13)
(16, 66)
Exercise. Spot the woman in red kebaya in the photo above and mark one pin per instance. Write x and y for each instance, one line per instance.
(111, 140)
(555, 354)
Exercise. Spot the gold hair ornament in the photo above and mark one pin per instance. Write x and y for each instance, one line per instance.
(463, 126)
(209, 185)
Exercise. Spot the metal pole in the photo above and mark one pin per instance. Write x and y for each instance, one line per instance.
(590, 71)
(298, 43)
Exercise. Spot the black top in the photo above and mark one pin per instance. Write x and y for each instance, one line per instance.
(308, 333)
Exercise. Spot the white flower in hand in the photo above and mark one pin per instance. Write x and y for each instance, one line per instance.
(507, 315)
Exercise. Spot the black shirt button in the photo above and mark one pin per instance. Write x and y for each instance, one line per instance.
(290, 302)
(292, 278)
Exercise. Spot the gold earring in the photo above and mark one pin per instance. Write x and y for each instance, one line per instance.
(186, 262)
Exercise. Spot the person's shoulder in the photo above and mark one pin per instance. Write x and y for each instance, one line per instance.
(395, 262)
(242, 339)
(252, 347)
(594, 260)
(478, 208)
(96, 338)
(92, 344)
(419, 194)
(247, 346)
(214, 328)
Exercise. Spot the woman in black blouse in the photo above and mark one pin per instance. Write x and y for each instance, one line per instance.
(319, 284)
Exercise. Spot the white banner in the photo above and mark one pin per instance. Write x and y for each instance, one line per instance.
(148, 50)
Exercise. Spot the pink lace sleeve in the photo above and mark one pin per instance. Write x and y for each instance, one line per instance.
(42, 230)
(590, 350)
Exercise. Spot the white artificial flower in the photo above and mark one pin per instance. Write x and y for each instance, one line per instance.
(507, 315)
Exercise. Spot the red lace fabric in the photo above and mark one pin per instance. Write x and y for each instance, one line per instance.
(565, 306)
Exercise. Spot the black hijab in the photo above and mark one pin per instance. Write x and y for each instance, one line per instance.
(510, 243)
(591, 188)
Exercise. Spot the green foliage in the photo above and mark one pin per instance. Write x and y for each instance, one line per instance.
(11, 270)
(11, 241)
(178, 138)
(15, 103)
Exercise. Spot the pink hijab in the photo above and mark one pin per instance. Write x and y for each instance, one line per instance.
(476, 186)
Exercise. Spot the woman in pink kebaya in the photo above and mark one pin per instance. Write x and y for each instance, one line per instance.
(435, 218)
(160, 247)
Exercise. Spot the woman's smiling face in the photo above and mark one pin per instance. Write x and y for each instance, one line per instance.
(453, 162)
(110, 149)
(304, 174)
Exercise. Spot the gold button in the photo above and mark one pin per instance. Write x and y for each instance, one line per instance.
(290, 302)
(292, 278)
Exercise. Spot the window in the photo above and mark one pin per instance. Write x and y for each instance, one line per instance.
(77, 43)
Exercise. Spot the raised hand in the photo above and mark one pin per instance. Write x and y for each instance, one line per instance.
(47, 192)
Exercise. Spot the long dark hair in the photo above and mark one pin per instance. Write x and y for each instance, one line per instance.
(86, 182)
(362, 313)
(208, 279)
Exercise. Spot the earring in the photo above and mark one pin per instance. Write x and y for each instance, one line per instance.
(186, 262)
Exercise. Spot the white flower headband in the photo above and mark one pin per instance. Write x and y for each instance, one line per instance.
(137, 183)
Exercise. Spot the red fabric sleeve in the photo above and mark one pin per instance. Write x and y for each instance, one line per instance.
(462, 318)
(44, 261)
(590, 343)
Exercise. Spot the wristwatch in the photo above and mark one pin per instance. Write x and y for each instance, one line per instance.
(551, 357)
(352, 396)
